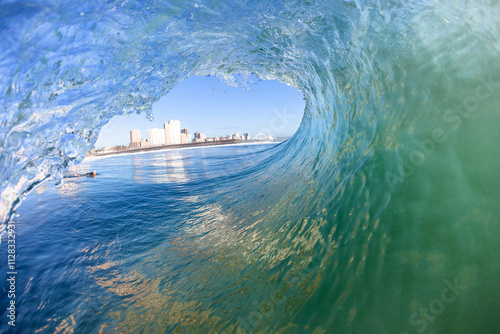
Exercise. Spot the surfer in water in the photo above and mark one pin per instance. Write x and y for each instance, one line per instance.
(94, 174)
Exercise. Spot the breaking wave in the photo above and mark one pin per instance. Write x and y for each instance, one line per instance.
(389, 188)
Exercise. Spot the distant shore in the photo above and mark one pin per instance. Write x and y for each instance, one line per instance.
(177, 146)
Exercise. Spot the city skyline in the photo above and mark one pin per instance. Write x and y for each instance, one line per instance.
(172, 134)
(213, 108)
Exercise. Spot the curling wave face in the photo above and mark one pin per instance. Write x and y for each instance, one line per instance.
(388, 189)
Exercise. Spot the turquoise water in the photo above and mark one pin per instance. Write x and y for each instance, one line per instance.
(380, 215)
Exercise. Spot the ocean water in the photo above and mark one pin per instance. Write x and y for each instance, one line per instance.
(380, 215)
(130, 240)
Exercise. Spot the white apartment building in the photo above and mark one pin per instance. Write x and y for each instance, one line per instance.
(156, 137)
(172, 132)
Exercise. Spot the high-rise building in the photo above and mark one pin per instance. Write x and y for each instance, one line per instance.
(156, 137)
(185, 132)
(199, 137)
(183, 138)
(167, 134)
(135, 138)
(236, 136)
(172, 132)
(246, 136)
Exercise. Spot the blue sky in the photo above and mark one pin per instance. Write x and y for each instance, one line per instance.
(205, 104)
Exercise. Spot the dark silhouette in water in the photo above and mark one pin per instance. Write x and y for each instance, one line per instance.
(94, 174)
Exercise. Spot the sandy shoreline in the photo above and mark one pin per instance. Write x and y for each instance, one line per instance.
(166, 148)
